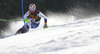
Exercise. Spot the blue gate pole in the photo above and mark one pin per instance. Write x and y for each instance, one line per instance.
(23, 15)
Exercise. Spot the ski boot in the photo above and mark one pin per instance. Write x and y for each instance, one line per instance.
(21, 30)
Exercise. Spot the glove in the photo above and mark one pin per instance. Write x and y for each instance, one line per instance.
(45, 25)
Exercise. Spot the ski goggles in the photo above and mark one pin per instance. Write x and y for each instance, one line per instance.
(32, 9)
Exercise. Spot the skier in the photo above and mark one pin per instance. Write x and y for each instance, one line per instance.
(34, 22)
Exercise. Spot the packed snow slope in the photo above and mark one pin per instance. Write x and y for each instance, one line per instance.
(78, 37)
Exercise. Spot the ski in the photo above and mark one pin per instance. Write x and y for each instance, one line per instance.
(9, 35)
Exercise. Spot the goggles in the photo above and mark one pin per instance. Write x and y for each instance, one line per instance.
(32, 9)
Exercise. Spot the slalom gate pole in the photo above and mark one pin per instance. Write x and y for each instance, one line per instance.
(4, 20)
(23, 15)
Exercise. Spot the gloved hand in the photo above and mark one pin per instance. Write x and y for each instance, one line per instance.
(45, 25)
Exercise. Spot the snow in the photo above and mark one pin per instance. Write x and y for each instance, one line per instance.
(78, 37)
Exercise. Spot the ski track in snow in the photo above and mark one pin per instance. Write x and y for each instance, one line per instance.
(54, 39)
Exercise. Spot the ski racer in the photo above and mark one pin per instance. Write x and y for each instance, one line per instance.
(34, 22)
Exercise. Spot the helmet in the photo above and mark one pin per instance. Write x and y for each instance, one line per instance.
(32, 7)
